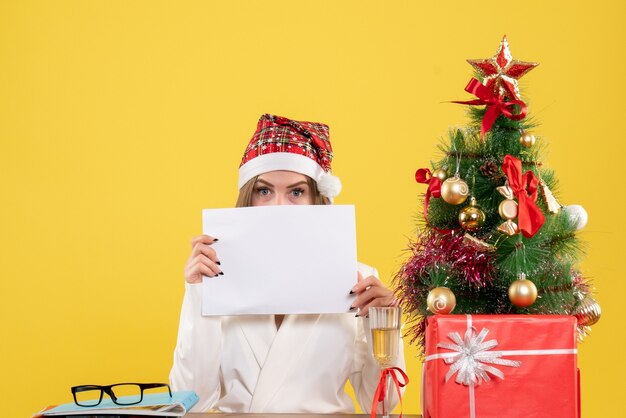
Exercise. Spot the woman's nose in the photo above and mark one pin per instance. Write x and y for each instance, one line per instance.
(282, 200)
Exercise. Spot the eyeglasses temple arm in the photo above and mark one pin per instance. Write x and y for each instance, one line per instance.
(156, 385)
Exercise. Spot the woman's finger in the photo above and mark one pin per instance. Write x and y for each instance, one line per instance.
(382, 301)
(378, 302)
(194, 272)
(203, 239)
(364, 283)
(206, 250)
(373, 293)
(199, 265)
(212, 265)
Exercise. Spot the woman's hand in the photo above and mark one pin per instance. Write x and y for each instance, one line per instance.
(371, 292)
(202, 261)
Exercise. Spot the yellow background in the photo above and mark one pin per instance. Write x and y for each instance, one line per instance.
(120, 121)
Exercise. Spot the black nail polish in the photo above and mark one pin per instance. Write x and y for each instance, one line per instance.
(352, 308)
(218, 263)
(356, 316)
(351, 292)
(221, 273)
(215, 239)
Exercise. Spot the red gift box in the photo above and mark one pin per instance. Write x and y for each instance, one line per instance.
(488, 366)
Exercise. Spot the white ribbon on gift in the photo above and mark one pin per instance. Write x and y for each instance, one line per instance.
(471, 358)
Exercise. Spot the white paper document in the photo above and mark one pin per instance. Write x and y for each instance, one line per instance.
(281, 260)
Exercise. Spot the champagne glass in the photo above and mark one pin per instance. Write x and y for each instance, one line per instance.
(385, 329)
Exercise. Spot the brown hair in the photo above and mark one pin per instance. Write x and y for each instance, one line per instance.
(245, 193)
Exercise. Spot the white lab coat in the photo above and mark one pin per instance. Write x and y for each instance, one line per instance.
(243, 364)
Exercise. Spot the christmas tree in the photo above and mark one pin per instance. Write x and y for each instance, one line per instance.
(494, 239)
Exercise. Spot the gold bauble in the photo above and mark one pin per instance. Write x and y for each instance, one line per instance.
(471, 218)
(527, 140)
(441, 174)
(522, 292)
(508, 209)
(454, 190)
(587, 312)
(441, 300)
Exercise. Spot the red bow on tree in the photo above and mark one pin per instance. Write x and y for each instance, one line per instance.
(495, 105)
(524, 186)
(424, 176)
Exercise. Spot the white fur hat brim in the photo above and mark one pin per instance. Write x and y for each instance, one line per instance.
(328, 184)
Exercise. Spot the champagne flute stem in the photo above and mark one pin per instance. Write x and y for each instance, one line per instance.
(387, 398)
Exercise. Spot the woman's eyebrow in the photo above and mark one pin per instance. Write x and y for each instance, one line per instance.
(267, 183)
(297, 184)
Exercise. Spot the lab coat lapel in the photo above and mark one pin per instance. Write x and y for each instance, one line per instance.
(283, 356)
(259, 331)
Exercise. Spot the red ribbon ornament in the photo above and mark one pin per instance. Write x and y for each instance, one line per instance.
(424, 176)
(495, 105)
(381, 389)
(524, 186)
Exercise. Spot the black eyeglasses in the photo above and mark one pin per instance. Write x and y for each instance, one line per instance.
(120, 393)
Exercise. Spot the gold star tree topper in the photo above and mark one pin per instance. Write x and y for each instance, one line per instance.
(501, 71)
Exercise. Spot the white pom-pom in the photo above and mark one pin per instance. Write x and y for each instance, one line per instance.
(577, 214)
(329, 185)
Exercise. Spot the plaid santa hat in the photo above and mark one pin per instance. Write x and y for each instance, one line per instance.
(284, 144)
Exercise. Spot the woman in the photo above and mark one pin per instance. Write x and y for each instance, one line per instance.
(278, 363)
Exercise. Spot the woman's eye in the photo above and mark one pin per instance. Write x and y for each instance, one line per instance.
(297, 192)
(263, 191)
